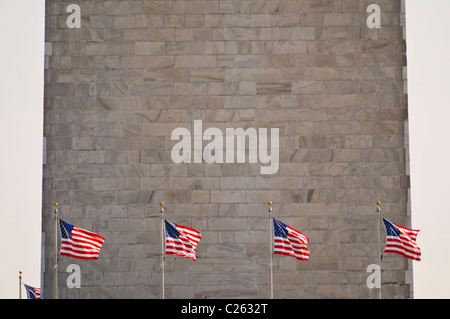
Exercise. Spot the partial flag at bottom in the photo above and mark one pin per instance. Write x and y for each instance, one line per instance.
(32, 292)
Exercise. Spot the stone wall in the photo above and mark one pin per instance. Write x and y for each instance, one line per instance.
(121, 78)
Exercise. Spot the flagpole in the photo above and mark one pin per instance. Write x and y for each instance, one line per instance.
(271, 248)
(162, 249)
(55, 287)
(20, 284)
(379, 242)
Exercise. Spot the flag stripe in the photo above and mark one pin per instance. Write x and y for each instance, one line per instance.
(84, 238)
(68, 246)
(79, 256)
(399, 247)
(300, 253)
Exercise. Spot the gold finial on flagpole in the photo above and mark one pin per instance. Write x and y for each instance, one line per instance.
(378, 203)
(56, 205)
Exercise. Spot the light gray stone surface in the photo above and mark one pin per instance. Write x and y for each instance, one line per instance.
(118, 86)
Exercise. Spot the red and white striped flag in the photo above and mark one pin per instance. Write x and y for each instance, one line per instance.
(79, 243)
(401, 240)
(289, 241)
(32, 292)
(181, 240)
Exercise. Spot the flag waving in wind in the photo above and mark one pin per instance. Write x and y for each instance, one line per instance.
(79, 243)
(181, 240)
(401, 240)
(33, 293)
(289, 241)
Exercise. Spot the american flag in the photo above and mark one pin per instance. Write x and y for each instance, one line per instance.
(32, 293)
(79, 243)
(181, 240)
(401, 240)
(289, 241)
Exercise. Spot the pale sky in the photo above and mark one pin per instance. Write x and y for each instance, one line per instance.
(428, 40)
(21, 131)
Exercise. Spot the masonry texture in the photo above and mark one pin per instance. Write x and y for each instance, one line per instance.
(116, 88)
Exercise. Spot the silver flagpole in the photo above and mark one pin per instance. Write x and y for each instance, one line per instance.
(379, 243)
(20, 284)
(162, 248)
(271, 248)
(55, 281)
